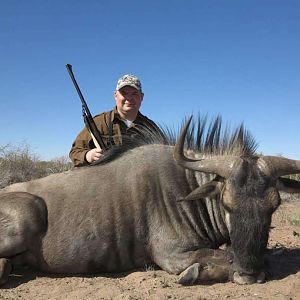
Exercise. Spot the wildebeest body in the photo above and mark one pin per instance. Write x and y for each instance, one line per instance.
(94, 226)
(134, 208)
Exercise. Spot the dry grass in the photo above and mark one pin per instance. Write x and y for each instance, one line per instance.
(288, 212)
(20, 163)
(294, 218)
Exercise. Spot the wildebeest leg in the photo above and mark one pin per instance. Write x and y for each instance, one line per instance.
(209, 265)
(211, 272)
(199, 265)
(23, 220)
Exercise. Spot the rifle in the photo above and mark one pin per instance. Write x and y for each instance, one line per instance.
(86, 114)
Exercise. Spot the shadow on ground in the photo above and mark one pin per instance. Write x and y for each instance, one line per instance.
(281, 263)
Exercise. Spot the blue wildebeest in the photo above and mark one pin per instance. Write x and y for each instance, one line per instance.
(152, 203)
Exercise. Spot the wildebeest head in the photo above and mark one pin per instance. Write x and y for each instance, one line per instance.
(249, 191)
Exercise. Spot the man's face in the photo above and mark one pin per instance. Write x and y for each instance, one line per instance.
(128, 100)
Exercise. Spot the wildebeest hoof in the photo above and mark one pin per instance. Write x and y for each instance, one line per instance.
(189, 275)
(248, 279)
(214, 272)
(5, 269)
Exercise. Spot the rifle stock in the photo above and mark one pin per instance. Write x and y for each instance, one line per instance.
(88, 119)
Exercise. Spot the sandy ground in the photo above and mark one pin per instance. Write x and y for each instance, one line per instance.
(283, 276)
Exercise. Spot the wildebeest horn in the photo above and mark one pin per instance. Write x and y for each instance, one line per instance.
(279, 166)
(220, 165)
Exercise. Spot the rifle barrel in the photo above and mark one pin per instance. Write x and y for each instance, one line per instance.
(69, 68)
(86, 112)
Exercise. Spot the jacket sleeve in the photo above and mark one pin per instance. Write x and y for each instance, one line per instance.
(82, 144)
(84, 141)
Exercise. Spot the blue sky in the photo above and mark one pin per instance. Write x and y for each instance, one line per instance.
(239, 59)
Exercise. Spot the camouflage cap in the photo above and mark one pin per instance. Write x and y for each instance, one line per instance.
(130, 80)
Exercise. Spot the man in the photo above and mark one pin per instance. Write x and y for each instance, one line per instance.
(124, 120)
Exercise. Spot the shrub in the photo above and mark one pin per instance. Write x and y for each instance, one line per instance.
(19, 164)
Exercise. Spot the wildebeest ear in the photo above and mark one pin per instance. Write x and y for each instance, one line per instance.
(209, 189)
(288, 185)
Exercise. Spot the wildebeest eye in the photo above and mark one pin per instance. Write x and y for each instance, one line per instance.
(273, 198)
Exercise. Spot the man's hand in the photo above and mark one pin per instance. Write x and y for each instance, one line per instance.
(93, 155)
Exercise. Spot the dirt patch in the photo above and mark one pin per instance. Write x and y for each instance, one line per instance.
(283, 276)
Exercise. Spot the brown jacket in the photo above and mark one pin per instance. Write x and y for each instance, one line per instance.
(109, 125)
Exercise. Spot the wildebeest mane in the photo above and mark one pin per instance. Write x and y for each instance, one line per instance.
(206, 137)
